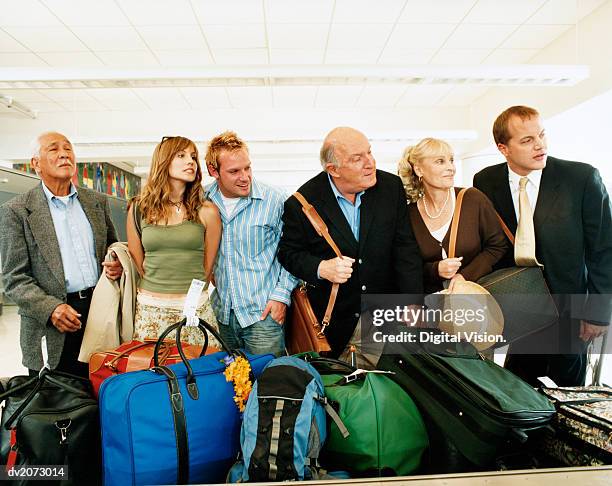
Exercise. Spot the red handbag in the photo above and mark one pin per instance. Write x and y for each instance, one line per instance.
(135, 356)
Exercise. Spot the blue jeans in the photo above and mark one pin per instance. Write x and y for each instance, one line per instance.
(261, 337)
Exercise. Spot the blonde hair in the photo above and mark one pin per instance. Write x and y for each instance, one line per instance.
(227, 140)
(154, 200)
(428, 147)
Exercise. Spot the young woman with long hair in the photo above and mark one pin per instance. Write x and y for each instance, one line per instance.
(173, 237)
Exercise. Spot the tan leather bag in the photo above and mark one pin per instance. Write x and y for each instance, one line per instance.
(305, 332)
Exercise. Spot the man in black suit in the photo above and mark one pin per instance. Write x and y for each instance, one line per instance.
(366, 213)
(573, 240)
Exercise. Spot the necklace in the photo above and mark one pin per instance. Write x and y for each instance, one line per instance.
(441, 210)
(177, 205)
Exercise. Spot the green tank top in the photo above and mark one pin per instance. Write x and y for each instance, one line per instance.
(174, 255)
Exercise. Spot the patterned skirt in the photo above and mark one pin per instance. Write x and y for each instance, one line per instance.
(155, 314)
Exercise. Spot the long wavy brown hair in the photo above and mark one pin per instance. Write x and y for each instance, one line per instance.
(154, 201)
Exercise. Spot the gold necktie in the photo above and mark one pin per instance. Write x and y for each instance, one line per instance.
(524, 241)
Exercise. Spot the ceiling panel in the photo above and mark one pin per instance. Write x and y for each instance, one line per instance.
(128, 59)
(298, 36)
(352, 56)
(460, 56)
(380, 96)
(87, 13)
(428, 36)
(356, 36)
(162, 98)
(250, 97)
(27, 13)
(478, 36)
(241, 56)
(491, 12)
(406, 56)
(205, 98)
(534, 36)
(438, 11)
(118, 99)
(45, 106)
(510, 56)
(83, 106)
(239, 11)
(296, 56)
(292, 11)
(184, 58)
(25, 95)
(49, 39)
(68, 95)
(158, 12)
(173, 37)
(71, 59)
(462, 95)
(24, 59)
(358, 11)
(110, 38)
(338, 96)
(236, 36)
(8, 44)
(564, 11)
(294, 96)
(423, 95)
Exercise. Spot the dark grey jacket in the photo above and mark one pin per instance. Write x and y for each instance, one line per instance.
(32, 264)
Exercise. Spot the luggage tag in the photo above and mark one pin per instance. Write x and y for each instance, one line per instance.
(359, 373)
(191, 302)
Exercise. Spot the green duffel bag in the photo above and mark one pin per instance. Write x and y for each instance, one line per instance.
(387, 434)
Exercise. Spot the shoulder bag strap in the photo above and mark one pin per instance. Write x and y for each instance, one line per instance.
(455, 223)
(321, 228)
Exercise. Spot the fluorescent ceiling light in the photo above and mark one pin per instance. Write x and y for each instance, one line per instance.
(12, 104)
(313, 75)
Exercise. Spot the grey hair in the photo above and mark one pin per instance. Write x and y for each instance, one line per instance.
(327, 155)
(35, 144)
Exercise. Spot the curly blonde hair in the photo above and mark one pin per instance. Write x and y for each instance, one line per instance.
(154, 201)
(428, 147)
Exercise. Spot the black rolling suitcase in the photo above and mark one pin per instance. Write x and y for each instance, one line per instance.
(479, 416)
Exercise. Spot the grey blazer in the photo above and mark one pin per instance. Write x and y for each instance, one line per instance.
(32, 264)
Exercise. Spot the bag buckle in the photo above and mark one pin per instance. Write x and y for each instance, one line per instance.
(321, 333)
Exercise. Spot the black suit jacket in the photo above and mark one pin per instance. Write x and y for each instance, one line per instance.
(387, 258)
(573, 229)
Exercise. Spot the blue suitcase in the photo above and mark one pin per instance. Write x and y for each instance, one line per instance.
(172, 425)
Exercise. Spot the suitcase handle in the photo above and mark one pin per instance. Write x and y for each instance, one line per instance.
(192, 388)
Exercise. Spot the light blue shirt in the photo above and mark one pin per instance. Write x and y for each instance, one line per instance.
(351, 211)
(247, 273)
(75, 239)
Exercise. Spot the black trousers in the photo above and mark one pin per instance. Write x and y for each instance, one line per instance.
(69, 362)
(556, 352)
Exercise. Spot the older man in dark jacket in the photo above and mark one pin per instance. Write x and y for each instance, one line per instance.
(366, 212)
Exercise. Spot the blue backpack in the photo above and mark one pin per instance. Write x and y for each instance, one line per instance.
(284, 424)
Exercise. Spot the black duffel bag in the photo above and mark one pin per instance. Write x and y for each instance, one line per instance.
(51, 419)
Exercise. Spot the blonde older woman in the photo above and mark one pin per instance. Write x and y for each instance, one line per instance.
(427, 170)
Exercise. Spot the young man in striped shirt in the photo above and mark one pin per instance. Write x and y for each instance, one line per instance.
(252, 289)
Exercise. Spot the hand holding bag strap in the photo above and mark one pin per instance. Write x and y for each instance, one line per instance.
(452, 243)
(180, 423)
(321, 229)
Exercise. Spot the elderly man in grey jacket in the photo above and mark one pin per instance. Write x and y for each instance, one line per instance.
(53, 242)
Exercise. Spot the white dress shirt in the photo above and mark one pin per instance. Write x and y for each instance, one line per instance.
(532, 188)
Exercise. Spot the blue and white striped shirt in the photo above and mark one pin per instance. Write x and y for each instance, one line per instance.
(75, 239)
(247, 272)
